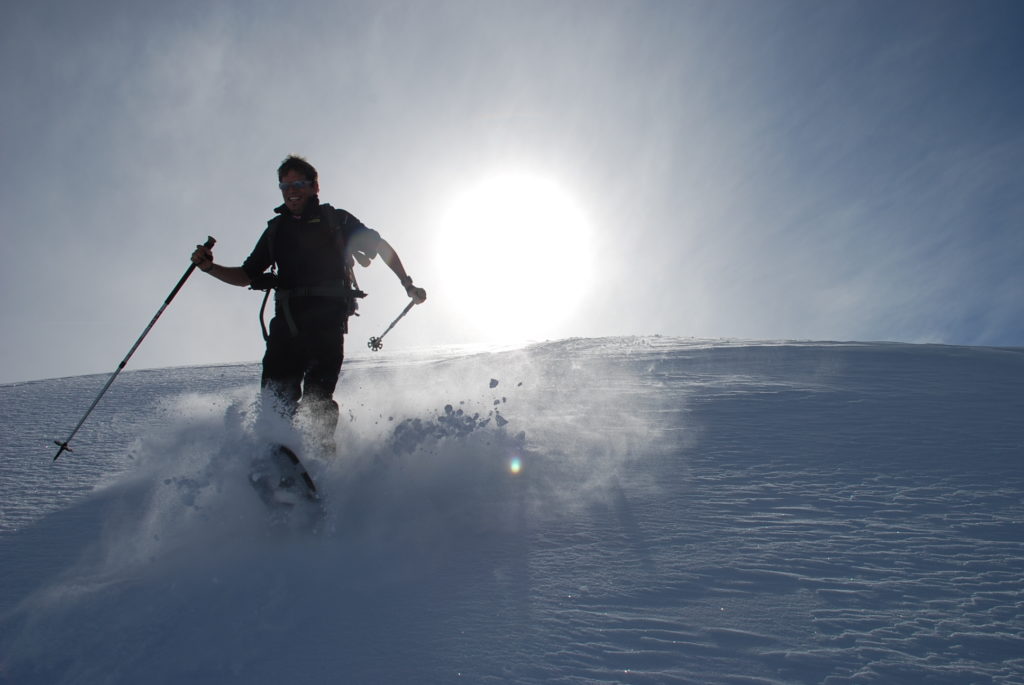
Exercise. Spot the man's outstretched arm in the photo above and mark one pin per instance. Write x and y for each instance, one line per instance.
(390, 257)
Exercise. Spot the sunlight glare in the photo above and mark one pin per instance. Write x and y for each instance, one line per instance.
(515, 256)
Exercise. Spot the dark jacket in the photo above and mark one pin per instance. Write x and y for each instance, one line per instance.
(310, 252)
(307, 251)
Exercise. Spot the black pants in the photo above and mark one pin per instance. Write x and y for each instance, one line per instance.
(306, 365)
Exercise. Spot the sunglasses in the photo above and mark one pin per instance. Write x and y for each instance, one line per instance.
(295, 185)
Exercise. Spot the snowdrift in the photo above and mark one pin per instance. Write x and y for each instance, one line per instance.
(644, 510)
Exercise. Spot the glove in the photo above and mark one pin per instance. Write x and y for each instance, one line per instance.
(418, 295)
(203, 258)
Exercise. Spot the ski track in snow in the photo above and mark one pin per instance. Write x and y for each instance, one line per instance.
(686, 512)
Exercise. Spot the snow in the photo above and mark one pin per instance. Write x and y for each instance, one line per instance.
(646, 510)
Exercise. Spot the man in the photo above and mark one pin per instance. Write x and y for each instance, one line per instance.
(313, 247)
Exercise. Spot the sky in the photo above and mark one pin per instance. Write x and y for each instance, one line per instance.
(729, 169)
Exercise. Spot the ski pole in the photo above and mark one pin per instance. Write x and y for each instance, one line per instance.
(64, 446)
(376, 344)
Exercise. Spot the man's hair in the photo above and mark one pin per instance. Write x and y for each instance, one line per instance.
(296, 163)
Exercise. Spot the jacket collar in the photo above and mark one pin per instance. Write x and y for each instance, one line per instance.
(312, 209)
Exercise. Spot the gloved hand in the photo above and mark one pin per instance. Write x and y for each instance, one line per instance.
(418, 295)
(203, 257)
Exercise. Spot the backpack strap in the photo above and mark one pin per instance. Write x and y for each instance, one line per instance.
(337, 218)
(272, 227)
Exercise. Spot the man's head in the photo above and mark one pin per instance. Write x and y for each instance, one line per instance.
(297, 179)
(299, 164)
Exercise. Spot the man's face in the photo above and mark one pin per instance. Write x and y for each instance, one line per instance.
(297, 190)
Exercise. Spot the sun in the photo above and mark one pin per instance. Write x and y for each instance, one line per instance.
(514, 252)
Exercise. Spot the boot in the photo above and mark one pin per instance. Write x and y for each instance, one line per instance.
(322, 421)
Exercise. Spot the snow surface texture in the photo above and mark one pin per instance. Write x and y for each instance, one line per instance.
(625, 510)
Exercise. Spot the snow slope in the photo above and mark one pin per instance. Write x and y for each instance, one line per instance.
(684, 512)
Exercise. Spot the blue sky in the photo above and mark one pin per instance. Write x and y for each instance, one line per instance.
(839, 170)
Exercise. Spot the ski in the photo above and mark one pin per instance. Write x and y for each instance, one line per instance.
(281, 480)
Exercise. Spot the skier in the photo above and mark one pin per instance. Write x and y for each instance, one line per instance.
(313, 247)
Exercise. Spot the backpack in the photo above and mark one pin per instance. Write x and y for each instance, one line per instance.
(349, 289)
